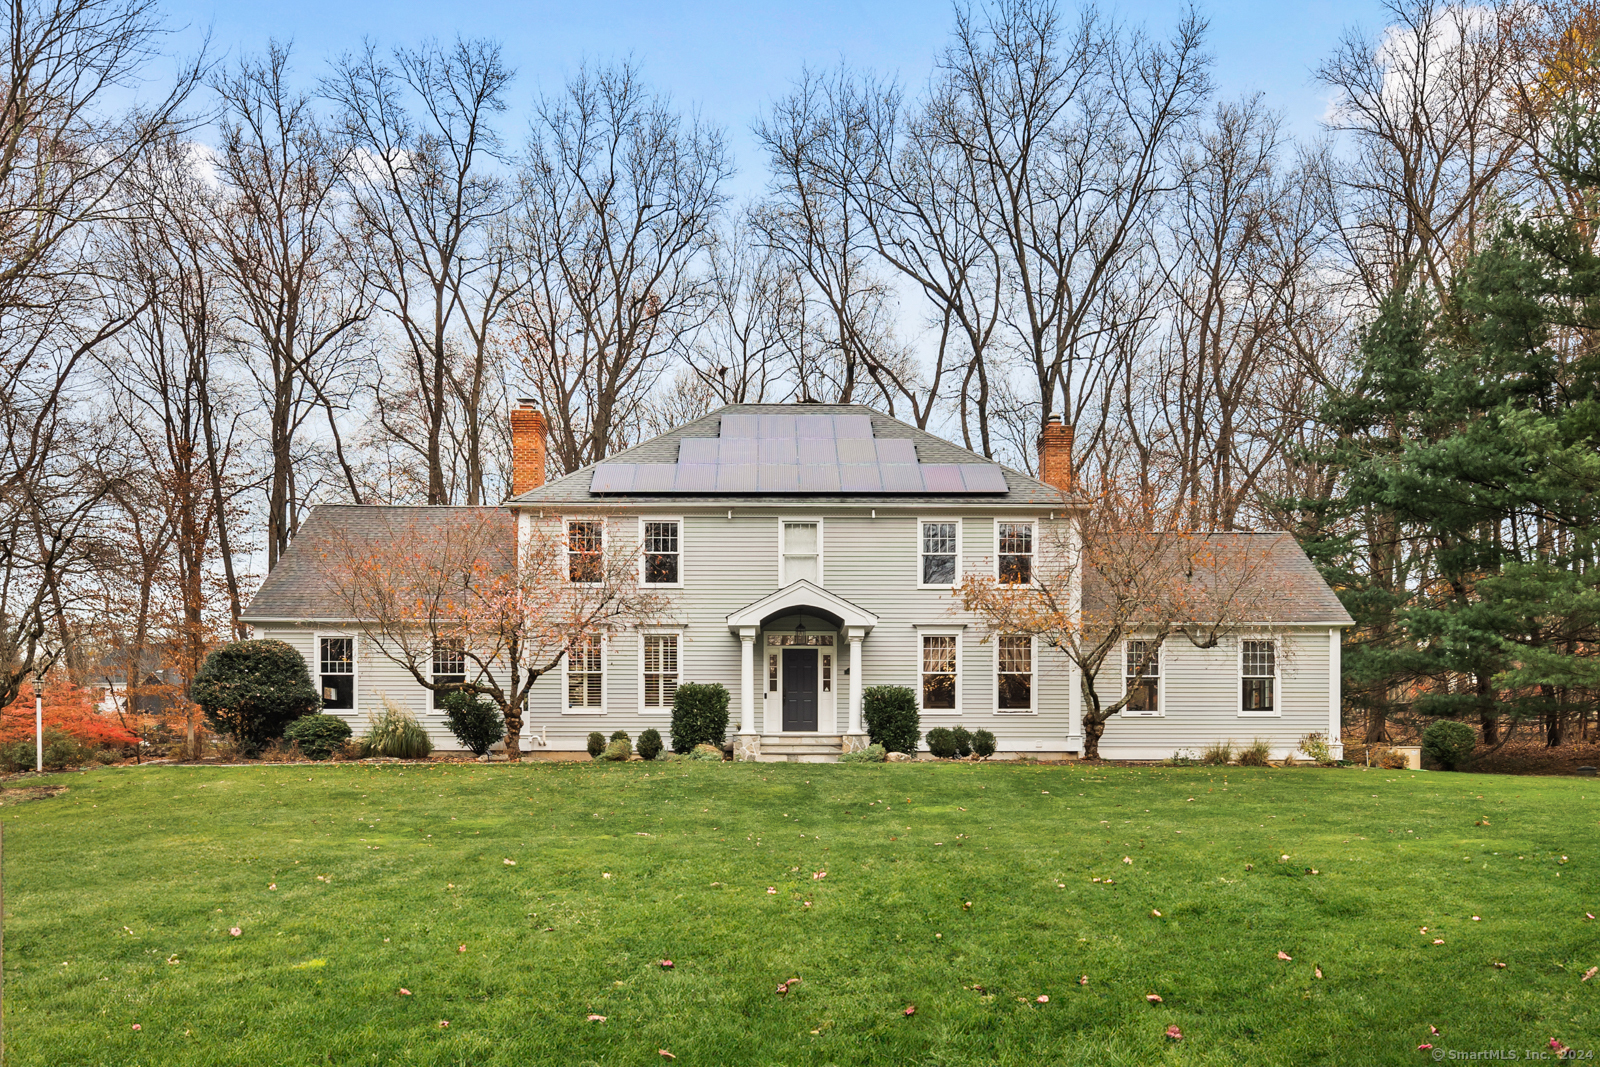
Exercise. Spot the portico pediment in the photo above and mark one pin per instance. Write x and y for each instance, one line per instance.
(795, 598)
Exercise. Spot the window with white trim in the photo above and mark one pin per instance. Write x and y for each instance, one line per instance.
(449, 665)
(827, 672)
(585, 549)
(772, 673)
(939, 672)
(1258, 669)
(1014, 670)
(1014, 554)
(337, 665)
(1141, 676)
(662, 552)
(939, 553)
(802, 552)
(660, 670)
(586, 673)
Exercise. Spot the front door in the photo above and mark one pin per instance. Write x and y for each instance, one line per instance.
(799, 689)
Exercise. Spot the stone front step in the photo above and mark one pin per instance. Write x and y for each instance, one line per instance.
(801, 748)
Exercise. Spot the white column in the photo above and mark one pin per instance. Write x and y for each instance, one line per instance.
(855, 681)
(747, 681)
(1335, 693)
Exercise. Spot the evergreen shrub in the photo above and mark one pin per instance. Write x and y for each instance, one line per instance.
(319, 736)
(699, 716)
(890, 712)
(942, 742)
(252, 690)
(1449, 743)
(596, 744)
(984, 743)
(963, 741)
(474, 719)
(649, 745)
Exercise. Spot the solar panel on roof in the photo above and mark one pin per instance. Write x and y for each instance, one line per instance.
(799, 453)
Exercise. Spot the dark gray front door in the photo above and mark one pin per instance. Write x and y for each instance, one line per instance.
(799, 689)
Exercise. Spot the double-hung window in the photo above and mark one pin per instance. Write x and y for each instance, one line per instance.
(802, 552)
(1141, 675)
(660, 670)
(938, 551)
(449, 665)
(338, 672)
(1014, 684)
(1015, 552)
(585, 546)
(1258, 670)
(586, 673)
(939, 670)
(663, 564)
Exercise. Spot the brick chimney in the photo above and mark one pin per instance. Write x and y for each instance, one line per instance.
(1055, 454)
(527, 447)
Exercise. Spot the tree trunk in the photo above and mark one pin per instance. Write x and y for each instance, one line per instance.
(1092, 730)
(1488, 717)
(1378, 723)
(513, 732)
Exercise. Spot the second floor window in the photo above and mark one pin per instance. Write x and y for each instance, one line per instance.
(338, 670)
(938, 553)
(801, 552)
(1016, 552)
(1259, 663)
(586, 673)
(661, 552)
(1141, 674)
(585, 543)
(660, 669)
(449, 665)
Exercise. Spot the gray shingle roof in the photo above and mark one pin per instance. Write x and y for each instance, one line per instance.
(930, 449)
(300, 586)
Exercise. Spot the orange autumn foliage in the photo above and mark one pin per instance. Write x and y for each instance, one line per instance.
(68, 708)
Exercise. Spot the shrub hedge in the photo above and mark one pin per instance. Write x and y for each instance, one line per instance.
(984, 743)
(699, 716)
(891, 717)
(942, 742)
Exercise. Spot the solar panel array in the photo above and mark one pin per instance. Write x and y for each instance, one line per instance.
(833, 454)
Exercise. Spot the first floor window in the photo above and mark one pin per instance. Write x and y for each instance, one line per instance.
(661, 552)
(585, 543)
(939, 672)
(827, 674)
(1015, 682)
(338, 663)
(449, 665)
(1016, 553)
(938, 553)
(1142, 676)
(660, 669)
(772, 674)
(1260, 670)
(585, 672)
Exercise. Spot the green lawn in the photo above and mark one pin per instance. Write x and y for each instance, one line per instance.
(120, 895)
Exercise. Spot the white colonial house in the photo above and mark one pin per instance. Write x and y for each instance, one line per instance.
(808, 552)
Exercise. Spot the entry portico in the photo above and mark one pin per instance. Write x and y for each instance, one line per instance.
(789, 675)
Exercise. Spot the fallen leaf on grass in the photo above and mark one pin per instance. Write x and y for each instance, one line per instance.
(1041, 999)
(911, 1009)
(665, 965)
(1438, 941)
(1317, 971)
(1174, 1033)
(1154, 998)
(1590, 973)
(665, 1054)
(404, 992)
(235, 931)
(1084, 980)
(1285, 957)
(1499, 966)
(1155, 913)
(136, 1026)
(1557, 1045)
(513, 863)
(274, 885)
(1127, 859)
(1423, 1048)
(444, 1024)
(596, 1018)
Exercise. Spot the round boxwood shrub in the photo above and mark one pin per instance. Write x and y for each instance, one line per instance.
(983, 743)
(963, 740)
(699, 716)
(891, 716)
(318, 736)
(942, 742)
(621, 735)
(1449, 743)
(649, 745)
(253, 689)
(596, 744)
(474, 719)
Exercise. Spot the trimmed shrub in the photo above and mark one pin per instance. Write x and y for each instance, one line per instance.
(396, 734)
(699, 716)
(251, 690)
(963, 741)
(649, 745)
(942, 742)
(891, 716)
(617, 751)
(1219, 754)
(1449, 743)
(1256, 754)
(474, 719)
(621, 735)
(870, 754)
(984, 743)
(596, 744)
(318, 736)
(709, 753)
(60, 750)
(1316, 747)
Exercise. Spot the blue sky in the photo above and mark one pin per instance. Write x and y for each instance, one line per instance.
(731, 59)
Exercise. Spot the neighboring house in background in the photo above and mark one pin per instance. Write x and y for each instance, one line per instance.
(808, 552)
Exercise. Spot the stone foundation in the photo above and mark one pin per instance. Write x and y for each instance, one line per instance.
(855, 743)
(746, 746)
